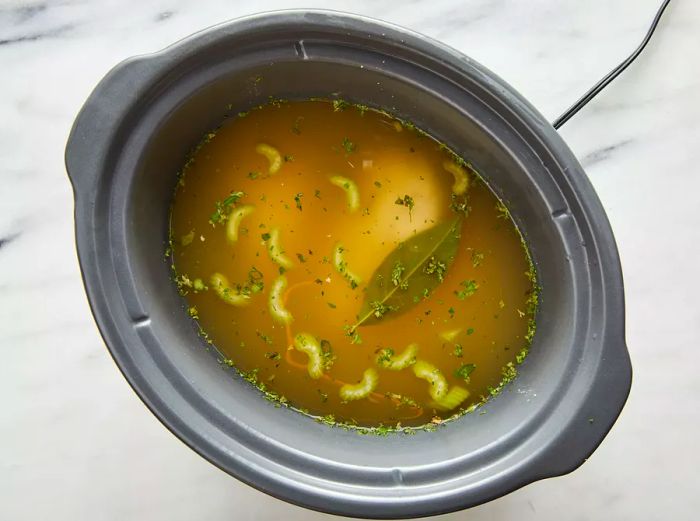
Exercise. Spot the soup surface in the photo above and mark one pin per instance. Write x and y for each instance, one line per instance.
(350, 266)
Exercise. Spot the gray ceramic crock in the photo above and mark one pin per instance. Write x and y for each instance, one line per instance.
(124, 151)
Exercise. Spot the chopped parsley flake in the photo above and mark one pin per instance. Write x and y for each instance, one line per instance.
(255, 281)
(379, 309)
(327, 353)
(385, 355)
(349, 146)
(396, 274)
(339, 104)
(460, 204)
(469, 288)
(509, 372)
(352, 333)
(405, 400)
(406, 201)
(223, 208)
(328, 419)
(436, 267)
(263, 337)
(464, 371)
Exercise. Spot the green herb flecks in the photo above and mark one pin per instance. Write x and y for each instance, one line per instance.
(464, 371)
(469, 287)
(385, 355)
(192, 154)
(265, 338)
(508, 374)
(255, 281)
(339, 104)
(276, 102)
(460, 204)
(396, 275)
(297, 200)
(408, 202)
(436, 267)
(183, 282)
(401, 400)
(352, 334)
(379, 309)
(349, 146)
(502, 210)
(327, 354)
(223, 208)
(328, 419)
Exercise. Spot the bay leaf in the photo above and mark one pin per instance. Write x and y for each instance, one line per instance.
(410, 272)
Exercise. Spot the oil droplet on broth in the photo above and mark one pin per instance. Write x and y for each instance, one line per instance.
(345, 204)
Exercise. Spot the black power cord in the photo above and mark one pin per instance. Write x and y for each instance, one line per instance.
(588, 96)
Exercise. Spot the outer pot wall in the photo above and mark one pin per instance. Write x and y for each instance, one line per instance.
(131, 138)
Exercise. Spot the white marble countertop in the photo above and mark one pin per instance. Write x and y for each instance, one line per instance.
(76, 441)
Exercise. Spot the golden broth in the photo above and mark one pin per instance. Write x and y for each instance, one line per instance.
(329, 191)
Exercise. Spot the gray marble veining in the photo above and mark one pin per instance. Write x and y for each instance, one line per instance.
(78, 444)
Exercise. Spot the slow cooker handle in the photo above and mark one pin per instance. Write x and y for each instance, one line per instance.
(101, 117)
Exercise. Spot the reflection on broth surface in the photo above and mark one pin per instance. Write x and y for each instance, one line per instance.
(351, 266)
